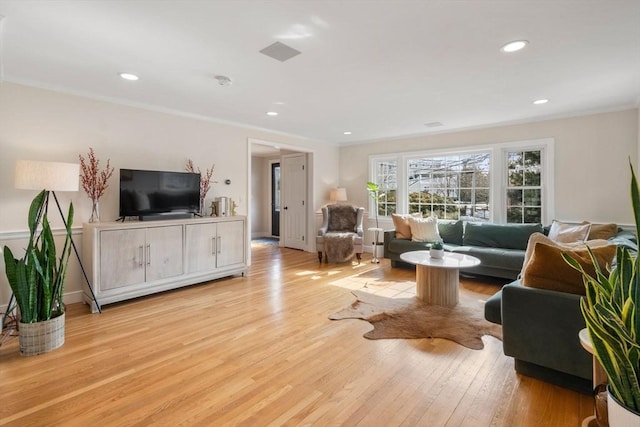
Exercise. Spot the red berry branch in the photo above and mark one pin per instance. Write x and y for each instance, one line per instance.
(94, 181)
(205, 178)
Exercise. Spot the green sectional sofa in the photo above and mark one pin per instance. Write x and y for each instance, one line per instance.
(540, 330)
(500, 247)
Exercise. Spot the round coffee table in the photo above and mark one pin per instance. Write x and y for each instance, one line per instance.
(437, 279)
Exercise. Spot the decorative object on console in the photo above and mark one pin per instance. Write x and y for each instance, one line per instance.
(205, 181)
(610, 309)
(94, 181)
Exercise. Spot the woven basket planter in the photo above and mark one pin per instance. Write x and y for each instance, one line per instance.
(41, 337)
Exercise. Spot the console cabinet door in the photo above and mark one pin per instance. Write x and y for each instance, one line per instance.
(230, 245)
(163, 253)
(200, 247)
(121, 258)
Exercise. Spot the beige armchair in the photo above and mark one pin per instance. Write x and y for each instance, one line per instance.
(341, 234)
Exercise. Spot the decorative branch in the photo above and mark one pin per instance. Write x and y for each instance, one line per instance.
(94, 181)
(205, 178)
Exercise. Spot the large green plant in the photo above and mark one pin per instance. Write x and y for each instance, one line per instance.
(37, 279)
(611, 312)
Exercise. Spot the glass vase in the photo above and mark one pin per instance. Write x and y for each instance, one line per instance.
(95, 211)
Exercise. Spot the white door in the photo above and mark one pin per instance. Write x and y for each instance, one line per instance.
(294, 200)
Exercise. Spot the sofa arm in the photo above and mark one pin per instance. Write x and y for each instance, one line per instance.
(541, 327)
(388, 236)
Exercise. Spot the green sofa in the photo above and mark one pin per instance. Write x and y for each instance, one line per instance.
(500, 247)
(540, 330)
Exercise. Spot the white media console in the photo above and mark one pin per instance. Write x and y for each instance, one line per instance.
(130, 259)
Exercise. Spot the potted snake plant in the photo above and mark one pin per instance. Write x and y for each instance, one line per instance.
(37, 281)
(611, 309)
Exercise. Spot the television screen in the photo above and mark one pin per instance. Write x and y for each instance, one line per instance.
(148, 193)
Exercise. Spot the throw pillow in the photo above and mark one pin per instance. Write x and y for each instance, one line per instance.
(401, 224)
(451, 231)
(563, 232)
(424, 229)
(603, 231)
(547, 269)
(541, 238)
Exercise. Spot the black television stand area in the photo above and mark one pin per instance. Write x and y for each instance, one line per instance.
(159, 217)
(170, 215)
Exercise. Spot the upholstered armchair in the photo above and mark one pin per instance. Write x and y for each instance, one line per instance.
(341, 234)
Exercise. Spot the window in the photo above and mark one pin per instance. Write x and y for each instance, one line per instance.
(524, 186)
(450, 186)
(501, 183)
(386, 176)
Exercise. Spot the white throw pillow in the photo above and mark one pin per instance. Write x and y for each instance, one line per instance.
(424, 229)
(562, 232)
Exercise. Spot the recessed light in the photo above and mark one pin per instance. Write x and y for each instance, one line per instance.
(272, 113)
(129, 76)
(514, 46)
(347, 132)
(540, 101)
(433, 124)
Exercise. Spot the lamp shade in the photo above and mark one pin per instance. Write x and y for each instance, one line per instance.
(338, 194)
(51, 176)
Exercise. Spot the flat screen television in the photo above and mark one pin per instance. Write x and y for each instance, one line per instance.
(158, 194)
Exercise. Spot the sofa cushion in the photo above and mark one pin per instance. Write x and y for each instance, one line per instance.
(563, 232)
(508, 236)
(424, 229)
(602, 231)
(451, 231)
(547, 269)
(506, 259)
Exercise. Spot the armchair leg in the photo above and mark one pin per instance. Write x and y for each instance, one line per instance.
(359, 257)
(320, 256)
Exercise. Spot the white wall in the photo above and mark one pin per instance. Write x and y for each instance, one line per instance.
(260, 197)
(591, 161)
(38, 124)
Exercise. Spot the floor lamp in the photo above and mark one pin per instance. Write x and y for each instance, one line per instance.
(52, 176)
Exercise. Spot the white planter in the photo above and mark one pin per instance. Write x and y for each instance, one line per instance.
(436, 253)
(619, 416)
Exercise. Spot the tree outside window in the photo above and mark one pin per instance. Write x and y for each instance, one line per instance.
(524, 186)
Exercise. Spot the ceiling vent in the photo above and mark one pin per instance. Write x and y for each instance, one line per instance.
(280, 51)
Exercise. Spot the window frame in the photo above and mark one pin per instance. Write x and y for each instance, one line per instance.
(498, 174)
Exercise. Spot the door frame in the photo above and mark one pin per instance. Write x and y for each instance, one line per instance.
(271, 163)
(311, 175)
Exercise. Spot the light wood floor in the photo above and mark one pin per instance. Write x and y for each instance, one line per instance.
(259, 350)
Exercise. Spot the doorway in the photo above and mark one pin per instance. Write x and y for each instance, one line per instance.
(275, 199)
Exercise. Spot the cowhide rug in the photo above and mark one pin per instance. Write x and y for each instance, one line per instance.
(411, 318)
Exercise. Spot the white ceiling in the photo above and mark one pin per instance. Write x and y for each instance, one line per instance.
(381, 69)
